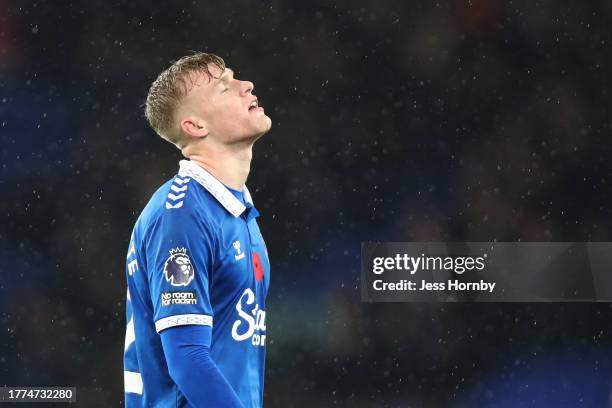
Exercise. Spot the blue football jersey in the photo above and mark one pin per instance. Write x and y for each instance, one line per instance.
(196, 257)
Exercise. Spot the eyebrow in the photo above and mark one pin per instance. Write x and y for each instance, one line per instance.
(228, 71)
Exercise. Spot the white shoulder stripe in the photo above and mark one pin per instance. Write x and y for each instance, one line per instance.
(178, 180)
(175, 197)
(179, 186)
(132, 382)
(183, 320)
(178, 189)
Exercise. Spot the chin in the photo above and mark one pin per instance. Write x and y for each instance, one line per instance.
(263, 127)
(268, 124)
(253, 131)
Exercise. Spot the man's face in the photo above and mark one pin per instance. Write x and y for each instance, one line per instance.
(227, 106)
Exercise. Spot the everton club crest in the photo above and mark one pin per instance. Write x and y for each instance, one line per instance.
(178, 269)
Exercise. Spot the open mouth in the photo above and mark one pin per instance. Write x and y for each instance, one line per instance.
(254, 106)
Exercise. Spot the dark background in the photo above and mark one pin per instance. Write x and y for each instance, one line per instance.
(393, 120)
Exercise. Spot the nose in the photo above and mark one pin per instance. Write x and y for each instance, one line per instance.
(247, 87)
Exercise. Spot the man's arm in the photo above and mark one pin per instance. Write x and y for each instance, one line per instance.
(187, 351)
(181, 249)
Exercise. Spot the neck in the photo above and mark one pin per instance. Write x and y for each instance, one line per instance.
(229, 164)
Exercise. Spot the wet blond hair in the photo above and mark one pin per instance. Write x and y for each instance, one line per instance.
(170, 87)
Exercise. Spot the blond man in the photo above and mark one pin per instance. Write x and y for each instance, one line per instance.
(197, 266)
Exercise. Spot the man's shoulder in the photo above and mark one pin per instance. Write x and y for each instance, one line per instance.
(179, 198)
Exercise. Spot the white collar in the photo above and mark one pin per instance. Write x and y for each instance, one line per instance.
(215, 187)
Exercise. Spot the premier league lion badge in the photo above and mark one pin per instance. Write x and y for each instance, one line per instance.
(178, 269)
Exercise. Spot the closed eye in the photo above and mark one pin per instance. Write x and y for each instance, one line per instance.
(225, 90)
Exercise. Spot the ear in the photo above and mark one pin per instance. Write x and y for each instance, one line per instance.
(194, 127)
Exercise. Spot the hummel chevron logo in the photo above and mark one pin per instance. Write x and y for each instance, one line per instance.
(177, 205)
(181, 181)
(175, 197)
(178, 189)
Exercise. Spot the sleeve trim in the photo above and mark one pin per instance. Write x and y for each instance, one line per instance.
(183, 320)
(132, 382)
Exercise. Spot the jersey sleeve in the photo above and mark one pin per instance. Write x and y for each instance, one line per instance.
(180, 253)
(187, 351)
